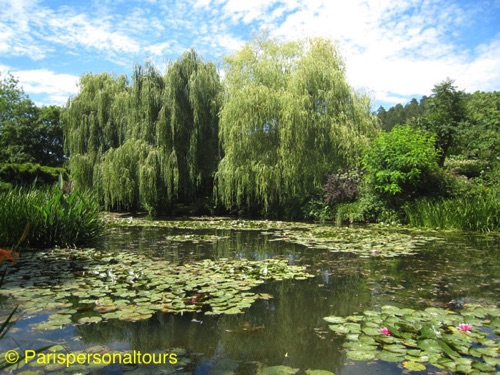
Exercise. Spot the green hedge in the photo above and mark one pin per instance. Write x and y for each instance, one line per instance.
(27, 173)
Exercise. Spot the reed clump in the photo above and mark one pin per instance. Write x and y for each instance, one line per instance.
(57, 216)
(478, 213)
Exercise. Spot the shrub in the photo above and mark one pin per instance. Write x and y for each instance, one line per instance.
(348, 213)
(466, 167)
(341, 187)
(315, 209)
(398, 162)
(27, 173)
(55, 216)
(369, 208)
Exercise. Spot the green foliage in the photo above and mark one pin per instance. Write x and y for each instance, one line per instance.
(4, 186)
(491, 176)
(289, 117)
(150, 143)
(398, 163)
(368, 208)
(480, 213)
(28, 173)
(28, 134)
(316, 209)
(348, 213)
(479, 137)
(133, 176)
(399, 115)
(466, 167)
(460, 342)
(56, 216)
(445, 115)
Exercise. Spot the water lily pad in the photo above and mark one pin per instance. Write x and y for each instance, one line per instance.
(390, 357)
(90, 319)
(429, 345)
(319, 372)
(334, 319)
(361, 355)
(278, 370)
(371, 331)
(414, 366)
(481, 366)
(111, 315)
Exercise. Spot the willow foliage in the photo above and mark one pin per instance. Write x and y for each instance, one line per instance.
(90, 125)
(148, 143)
(190, 121)
(289, 117)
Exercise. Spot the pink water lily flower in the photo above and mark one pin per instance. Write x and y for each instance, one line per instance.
(385, 331)
(464, 327)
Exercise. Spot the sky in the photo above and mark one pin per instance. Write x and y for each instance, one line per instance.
(394, 50)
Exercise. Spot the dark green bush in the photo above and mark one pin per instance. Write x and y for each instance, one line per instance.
(27, 173)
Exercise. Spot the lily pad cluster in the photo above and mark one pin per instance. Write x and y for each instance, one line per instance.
(195, 238)
(206, 223)
(465, 342)
(373, 241)
(365, 243)
(89, 286)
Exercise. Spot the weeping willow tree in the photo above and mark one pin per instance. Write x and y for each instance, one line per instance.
(90, 125)
(119, 172)
(188, 127)
(289, 117)
(150, 143)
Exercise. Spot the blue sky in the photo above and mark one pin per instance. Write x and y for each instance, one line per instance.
(394, 49)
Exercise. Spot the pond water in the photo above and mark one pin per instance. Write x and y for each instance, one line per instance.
(452, 270)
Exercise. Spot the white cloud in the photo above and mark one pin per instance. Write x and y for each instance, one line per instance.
(79, 31)
(257, 10)
(55, 88)
(227, 42)
(483, 72)
(397, 49)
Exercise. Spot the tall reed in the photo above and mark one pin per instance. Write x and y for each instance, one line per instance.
(479, 213)
(55, 216)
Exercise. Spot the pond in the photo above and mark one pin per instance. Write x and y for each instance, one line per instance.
(268, 318)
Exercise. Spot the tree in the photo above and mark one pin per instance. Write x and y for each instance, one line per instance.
(48, 149)
(479, 137)
(446, 111)
(166, 126)
(289, 117)
(28, 134)
(399, 115)
(188, 126)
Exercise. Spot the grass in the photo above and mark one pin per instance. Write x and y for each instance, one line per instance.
(55, 217)
(481, 213)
